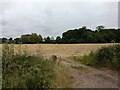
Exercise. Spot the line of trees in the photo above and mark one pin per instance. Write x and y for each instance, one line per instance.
(32, 38)
(84, 35)
(81, 35)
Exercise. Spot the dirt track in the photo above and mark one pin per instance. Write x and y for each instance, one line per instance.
(88, 77)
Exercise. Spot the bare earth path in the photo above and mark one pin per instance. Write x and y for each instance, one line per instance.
(88, 77)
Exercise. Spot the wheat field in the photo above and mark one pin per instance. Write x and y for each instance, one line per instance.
(60, 50)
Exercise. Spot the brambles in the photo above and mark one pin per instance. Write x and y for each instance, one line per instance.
(24, 71)
(21, 70)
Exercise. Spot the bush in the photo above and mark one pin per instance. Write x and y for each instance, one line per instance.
(104, 57)
(108, 57)
(21, 70)
(24, 71)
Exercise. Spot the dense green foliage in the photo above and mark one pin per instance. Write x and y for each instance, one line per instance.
(84, 35)
(104, 57)
(24, 71)
(31, 39)
(20, 70)
(81, 35)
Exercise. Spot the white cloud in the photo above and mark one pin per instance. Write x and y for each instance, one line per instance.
(56, 17)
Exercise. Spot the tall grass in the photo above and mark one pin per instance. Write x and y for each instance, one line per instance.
(108, 57)
(63, 78)
(21, 70)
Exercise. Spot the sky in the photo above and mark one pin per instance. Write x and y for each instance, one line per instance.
(53, 17)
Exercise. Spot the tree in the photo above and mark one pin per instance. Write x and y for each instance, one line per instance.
(117, 33)
(25, 39)
(58, 40)
(47, 40)
(84, 35)
(0, 40)
(84, 27)
(41, 39)
(80, 35)
(35, 38)
(17, 40)
(52, 40)
(31, 38)
(4, 40)
(75, 36)
(10, 40)
(100, 28)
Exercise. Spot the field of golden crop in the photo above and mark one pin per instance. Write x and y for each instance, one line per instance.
(61, 50)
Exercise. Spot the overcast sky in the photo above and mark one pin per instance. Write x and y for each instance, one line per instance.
(53, 18)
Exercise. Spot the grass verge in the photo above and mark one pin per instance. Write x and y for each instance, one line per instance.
(107, 57)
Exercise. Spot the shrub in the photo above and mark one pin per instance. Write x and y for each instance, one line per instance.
(104, 57)
(108, 57)
(21, 70)
(24, 71)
